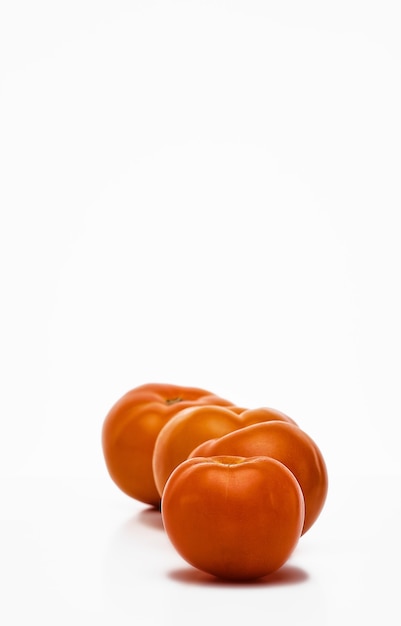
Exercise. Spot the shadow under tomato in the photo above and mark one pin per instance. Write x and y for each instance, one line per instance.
(286, 575)
(151, 517)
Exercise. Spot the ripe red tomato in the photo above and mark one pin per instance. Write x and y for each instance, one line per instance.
(191, 426)
(131, 427)
(234, 517)
(286, 443)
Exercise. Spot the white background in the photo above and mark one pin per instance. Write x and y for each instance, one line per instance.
(204, 193)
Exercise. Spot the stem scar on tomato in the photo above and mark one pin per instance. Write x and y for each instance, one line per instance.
(173, 400)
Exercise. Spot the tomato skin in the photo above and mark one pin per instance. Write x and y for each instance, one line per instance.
(131, 427)
(264, 414)
(192, 426)
(186, 430)
(288, 444)
(233, 517)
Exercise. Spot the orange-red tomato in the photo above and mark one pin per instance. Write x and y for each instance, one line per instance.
(191, 426)
(234, 517)
(131, 427)
(289, 445)
(264, 414)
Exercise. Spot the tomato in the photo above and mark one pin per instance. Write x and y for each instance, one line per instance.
(233, 517)
(131, 427)
(288, 444)
(191, 426)
(263, 414)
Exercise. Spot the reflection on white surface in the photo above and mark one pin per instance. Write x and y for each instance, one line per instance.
(78, 549)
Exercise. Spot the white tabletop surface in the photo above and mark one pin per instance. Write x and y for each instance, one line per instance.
(75, 551)
(202, 193)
